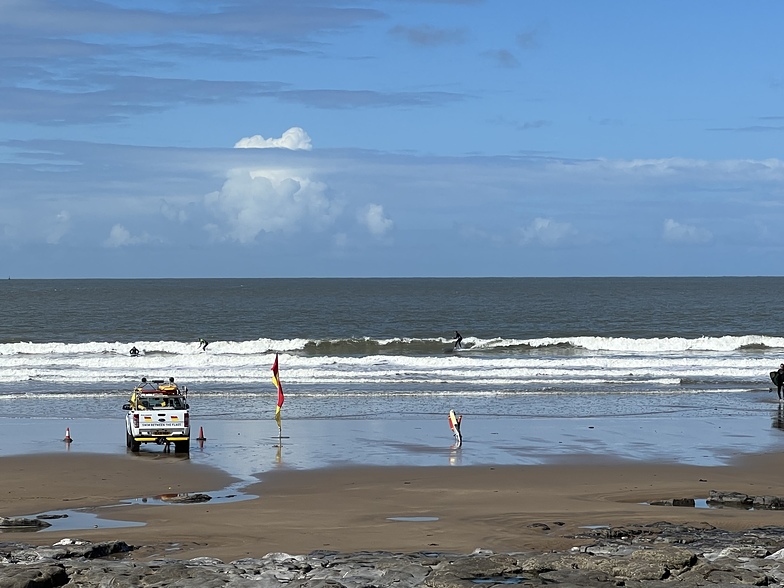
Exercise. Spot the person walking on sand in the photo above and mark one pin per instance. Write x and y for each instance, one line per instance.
(458, 341)
(203, 344)
(778, 379)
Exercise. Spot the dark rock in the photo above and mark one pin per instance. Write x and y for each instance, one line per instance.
(185, 498)
(658, 555)
(735, 499)
(83, 549)
(768, 503)
(683, 502)
(34, 523)
(473, 567)
(541, 526)
(672, 558)
(729, 499)
(539, 563)
(577, 577)
(674, 502)
(32, 576)
(62, 550)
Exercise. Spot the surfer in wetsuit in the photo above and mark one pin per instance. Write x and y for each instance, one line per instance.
(134, 351)
(203, 344)
(458, 341)
(778, 379)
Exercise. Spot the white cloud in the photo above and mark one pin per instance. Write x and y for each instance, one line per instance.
(373, 218)
(58, 228)
(119, 236)
(676, 232)
(172, 213)
(545, 231)
(661, 172)
(295, 139)
(252, 201)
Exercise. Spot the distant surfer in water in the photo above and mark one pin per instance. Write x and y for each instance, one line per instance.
(203, 344)
(458, 341)
(778, 379)
(134, 351)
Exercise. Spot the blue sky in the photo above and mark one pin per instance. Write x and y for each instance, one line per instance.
(256, 138)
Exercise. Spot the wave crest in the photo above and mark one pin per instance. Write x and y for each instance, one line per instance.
(362, 346)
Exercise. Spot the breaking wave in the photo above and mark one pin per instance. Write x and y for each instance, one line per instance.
(364, 346)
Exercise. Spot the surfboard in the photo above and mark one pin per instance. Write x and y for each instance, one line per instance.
(773, 376)
(454, 424)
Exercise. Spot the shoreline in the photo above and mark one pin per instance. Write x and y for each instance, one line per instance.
(504, 508)
(696, 431)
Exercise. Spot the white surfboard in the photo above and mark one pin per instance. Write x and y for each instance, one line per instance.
(454, 424)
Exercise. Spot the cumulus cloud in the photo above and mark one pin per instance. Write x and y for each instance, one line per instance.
(173, 213)
(59, 227)
(295, 139)
(676, 232)
(252, 201)
(372, 217)
(119, 236)
(545, 231)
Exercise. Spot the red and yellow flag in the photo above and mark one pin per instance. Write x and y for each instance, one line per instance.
(276, 381)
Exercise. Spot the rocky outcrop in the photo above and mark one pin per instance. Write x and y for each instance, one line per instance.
(739, 500)
(719, 499)
(185, 498)
(637, 556)
(22, 523)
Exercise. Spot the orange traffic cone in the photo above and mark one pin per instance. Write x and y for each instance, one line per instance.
(67, 435)
(201, 436)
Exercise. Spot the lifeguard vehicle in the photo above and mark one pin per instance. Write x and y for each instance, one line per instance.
(158, 413)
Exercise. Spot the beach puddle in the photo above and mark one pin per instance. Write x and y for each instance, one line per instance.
(70, 520)
(77, 520)
(89, 517)
(180, 499)
(413, 519)
(232, 493)
(509, 580)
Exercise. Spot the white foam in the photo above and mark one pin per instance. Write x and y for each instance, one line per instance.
(592, 364)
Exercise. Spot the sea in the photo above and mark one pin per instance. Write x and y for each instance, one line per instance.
(630, 367)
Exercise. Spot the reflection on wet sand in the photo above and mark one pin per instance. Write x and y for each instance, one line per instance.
(778, 418)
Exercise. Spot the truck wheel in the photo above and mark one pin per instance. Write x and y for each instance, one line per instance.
(127, 440)
(182, 446)
(135, 445)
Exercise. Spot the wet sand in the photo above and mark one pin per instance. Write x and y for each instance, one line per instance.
(449, 509)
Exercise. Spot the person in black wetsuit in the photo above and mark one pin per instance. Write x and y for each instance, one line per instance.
(134, 351)
(778, 379)
(203, 344)
(458, 341)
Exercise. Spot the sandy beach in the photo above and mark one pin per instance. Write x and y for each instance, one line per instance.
(444, 509)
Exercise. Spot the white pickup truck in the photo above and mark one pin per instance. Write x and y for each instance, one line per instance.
(158, 413)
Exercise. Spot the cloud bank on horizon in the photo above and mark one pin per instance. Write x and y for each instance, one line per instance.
(380, 138)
